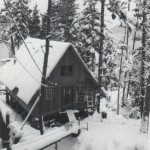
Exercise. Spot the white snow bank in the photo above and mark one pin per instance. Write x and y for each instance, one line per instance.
(114, 133)
(5, 110)
(88, 141)
(16, 122)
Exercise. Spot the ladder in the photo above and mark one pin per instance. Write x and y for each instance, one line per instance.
(89, 99)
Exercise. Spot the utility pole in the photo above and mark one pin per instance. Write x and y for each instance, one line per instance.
(101, 48)
(43, 80)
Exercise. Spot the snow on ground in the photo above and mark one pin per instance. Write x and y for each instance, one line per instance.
(116, 132)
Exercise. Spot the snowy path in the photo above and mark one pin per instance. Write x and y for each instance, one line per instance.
(112, 135)
(116, 132)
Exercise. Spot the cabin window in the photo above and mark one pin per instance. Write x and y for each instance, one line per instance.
(67, 95)
(48, 94)
(66, 70)
(82, 92)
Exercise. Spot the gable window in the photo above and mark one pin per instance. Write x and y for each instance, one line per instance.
(66, 70)
(49, 94)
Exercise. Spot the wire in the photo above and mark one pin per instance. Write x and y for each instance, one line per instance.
(30, 73)
(21, 35)
(25, 44)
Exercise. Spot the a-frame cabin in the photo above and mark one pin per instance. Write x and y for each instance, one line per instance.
(70, 84)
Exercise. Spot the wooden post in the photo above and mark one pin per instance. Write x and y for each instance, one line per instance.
(7, 98)
(8, 136)
(79, 121)
(56, 146)
(87, 126)
(43, 80)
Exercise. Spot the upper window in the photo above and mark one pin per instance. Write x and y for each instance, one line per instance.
(66, 70)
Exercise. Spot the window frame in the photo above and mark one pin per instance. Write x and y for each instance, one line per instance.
(49, 90)
(66, 70)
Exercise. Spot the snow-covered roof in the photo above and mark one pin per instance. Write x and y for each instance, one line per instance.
(24, 74)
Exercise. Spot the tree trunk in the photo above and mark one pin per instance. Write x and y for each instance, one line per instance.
(119, 83)
(144, 101)
(125, 76)
(133, 48)
(101, 45)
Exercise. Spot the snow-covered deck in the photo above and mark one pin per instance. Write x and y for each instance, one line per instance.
(30, 137)
(51, 136)
(16, 122)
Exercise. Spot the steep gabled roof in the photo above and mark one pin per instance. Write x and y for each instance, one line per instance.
(25, 75)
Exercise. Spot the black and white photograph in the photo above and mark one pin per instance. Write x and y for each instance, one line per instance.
(74, 74)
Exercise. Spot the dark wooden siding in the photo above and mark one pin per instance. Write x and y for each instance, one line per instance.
(80, 77)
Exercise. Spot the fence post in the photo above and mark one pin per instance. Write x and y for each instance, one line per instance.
(87, 126)
(56, 146)
(8, 129)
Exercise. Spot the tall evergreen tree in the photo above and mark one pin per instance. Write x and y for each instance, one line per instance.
(86, 32)
(34, 23)
(86, 35)
(18, 11)
(68, 12)
(43, 26)
(63, 14)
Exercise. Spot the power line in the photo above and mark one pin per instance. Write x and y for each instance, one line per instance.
(21, 35)
(25, 46)
(30, 73)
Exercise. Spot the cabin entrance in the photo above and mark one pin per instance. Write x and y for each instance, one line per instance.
(67, 96)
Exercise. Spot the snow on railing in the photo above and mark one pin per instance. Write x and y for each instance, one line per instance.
(6, 110)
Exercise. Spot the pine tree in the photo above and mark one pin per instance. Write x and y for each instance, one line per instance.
(43, 27)
(34, 23)
(86, 36)
(20, 12)
(63, 14)
(67, 16)
(86, 32)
